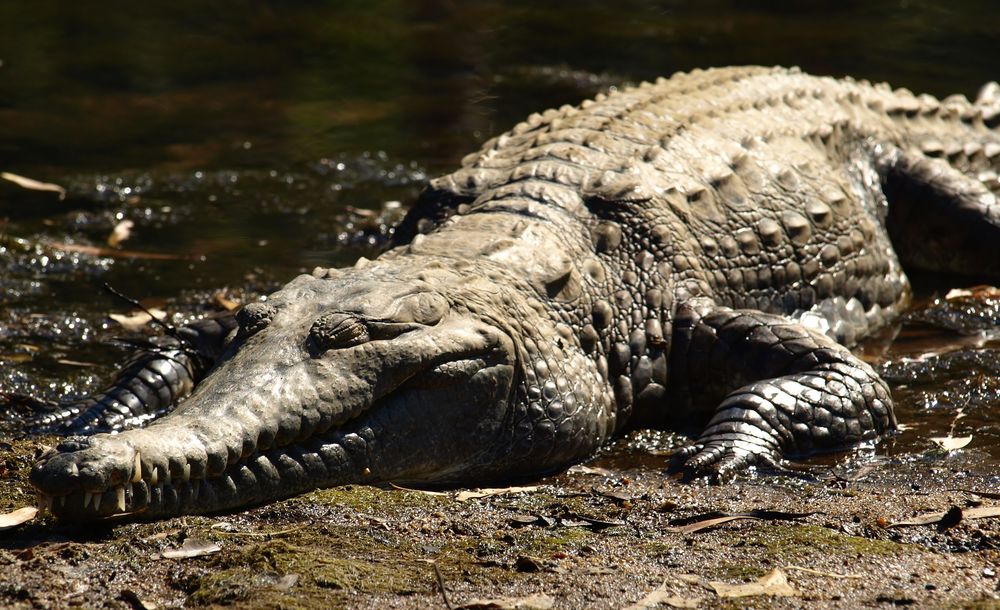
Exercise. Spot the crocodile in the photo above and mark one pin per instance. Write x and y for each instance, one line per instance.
(697, 253)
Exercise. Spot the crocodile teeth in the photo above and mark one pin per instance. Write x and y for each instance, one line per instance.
(87, 497)
(97, 501)
(137, 468)
(120, 491)
(186, 473)
(154, 476)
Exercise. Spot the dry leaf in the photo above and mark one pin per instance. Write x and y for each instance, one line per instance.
(121, 232)
(951, 443)
(772, 583)
(112, 253)
(925, 519)
(419, 491)
(978, 512)
(191, 548)
(981, 512)
(17, 517)
(79, 363)
(136, 320)
(659, 596)
(982, 291)
(162, 535)
(538, 601)
(581, 469)
(464, 496)
(719, 519)
(34, 185)
(220, 299)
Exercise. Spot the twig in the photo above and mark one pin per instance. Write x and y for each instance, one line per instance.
(167, 328)
(444, 593)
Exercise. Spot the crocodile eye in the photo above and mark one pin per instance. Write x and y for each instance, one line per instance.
(337, 330)
(254, 317)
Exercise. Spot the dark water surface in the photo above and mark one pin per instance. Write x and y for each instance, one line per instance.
(248, 141)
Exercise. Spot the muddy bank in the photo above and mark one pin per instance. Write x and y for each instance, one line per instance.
(605, 535)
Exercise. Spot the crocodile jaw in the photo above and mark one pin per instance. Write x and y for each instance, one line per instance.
(277, 419)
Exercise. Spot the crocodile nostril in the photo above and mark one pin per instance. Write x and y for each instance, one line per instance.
(337, 330)
(254, 317)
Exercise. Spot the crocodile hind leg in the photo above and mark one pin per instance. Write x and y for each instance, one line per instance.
(778, 389)
(151, 383)
(941, 218)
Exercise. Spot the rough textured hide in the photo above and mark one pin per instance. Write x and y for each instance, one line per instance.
(694, 252)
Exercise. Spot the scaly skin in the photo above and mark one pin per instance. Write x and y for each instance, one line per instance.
(685, 253)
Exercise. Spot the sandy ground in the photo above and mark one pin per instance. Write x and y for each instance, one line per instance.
(609, 534)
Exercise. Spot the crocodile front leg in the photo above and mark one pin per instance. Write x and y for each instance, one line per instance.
(785, 390)
(151, 383)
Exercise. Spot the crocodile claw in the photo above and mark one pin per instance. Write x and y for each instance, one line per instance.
(720, 459)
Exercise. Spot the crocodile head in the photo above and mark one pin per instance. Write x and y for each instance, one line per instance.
(374, 375)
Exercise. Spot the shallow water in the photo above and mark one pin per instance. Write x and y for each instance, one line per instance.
(249, 145)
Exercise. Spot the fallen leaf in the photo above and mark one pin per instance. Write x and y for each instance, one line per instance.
(707, 521)
(419, 491)
(522, 520)
(981, 291)
(17, 517)
(538, 601)
(112, 253)
(472, 494)
(659, 596)
(773, 583)
(34, 185)
(79, 363)
(618, 496)
(162, 535)
(220, 299)
(191, 548)
(584, 521)
(138, 319)
(978, 512)
(925, 519)
(121, 232)
(581, 469)
(951, 443)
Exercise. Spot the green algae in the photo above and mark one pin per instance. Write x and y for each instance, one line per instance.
(796, 542)
(368, 498)
(807, 545)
